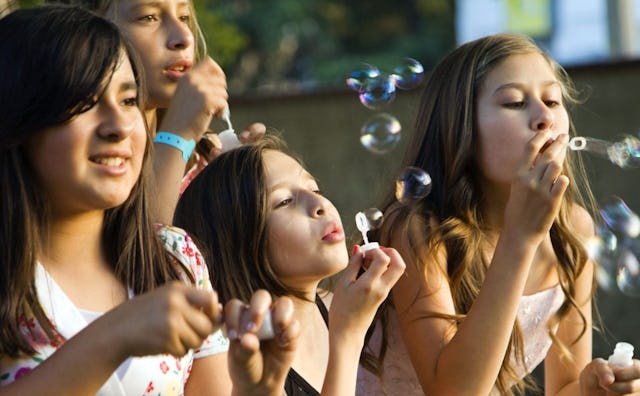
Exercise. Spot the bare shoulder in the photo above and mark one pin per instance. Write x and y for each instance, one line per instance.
(581, 221)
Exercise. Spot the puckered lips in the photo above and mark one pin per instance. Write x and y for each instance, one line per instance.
(333, 233)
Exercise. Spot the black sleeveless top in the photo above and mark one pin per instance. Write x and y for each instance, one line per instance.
(295, 385)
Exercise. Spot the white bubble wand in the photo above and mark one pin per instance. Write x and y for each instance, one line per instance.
(363, 225)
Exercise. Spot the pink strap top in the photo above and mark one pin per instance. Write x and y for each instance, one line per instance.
(400, 377)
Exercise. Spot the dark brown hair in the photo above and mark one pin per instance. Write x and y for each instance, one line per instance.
(224, 209)
(81, 51)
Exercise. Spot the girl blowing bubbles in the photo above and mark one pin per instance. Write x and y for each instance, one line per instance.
(83, 308)
(186, 88)
(498, 276)
(265, 225)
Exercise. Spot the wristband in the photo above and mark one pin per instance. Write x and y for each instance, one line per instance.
(173, 140)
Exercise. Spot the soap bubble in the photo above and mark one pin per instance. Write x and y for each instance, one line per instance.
(407, 75)
(412, 185)
(626, 153)
(628, 277)
(620, 219)
(374, 217)
(380, 133)
(377, 92)
(356, 80)
(604, 250)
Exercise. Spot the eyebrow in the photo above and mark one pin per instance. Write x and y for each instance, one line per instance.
(306, 177)
(155, 3)
(519, 86)
(128, 86)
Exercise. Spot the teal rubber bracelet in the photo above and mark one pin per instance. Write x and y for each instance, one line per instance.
(173, 140)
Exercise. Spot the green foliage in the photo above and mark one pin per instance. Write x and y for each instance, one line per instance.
(312, 44)
(303, 44)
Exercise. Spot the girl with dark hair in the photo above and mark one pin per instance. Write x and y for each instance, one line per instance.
(93, 296)
(498, 276)
(263, 224)
(186, 88)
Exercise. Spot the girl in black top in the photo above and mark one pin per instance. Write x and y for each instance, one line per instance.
(263, 224)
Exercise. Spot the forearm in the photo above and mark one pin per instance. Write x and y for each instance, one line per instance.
(471, 361)
(571, 389)
(168, 168)
(80, 367)
(342, 368)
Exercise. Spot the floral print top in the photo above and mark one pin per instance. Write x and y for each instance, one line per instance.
(148, 375)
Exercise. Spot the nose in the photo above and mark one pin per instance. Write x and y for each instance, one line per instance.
(542, 118)
(179, 35)
(118, 123)
(317, 205)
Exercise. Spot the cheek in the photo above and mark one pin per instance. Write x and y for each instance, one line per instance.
(139, 138)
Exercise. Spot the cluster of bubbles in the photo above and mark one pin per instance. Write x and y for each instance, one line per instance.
(624, 153)
(616, 248)
(412, 184)
(377, 90)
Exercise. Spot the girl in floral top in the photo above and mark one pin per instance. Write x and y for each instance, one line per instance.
(91, 300)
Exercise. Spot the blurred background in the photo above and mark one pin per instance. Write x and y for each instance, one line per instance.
(286, 63)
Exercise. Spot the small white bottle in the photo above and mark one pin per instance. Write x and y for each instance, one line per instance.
(622, 355)
(228, 137)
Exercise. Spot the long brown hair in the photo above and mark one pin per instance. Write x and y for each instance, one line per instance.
(451, 219)
(81, 52)
(224, 209)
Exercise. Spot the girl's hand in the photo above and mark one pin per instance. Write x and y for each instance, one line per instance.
(252, 133)
(200, 94)
(170, 319)
(537, 190)
(356, 298)
(260, 367)
(598, 378)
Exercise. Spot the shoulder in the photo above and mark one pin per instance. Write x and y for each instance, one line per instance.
(581, 221)
(186, 254)
(584, 227)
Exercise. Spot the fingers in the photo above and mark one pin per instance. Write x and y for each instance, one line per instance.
(253, 133)
(241, 318)
(203, 316)
(386, 265)
(287, 329)
(253, 319)
(356, 262)
(211, 80)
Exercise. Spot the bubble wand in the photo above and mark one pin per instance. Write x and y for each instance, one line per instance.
(363, 225)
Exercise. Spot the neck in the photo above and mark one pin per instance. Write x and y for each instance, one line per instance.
(73, 238)
(303, 308)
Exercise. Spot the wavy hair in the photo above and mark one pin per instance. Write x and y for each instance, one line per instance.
(451, 218)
